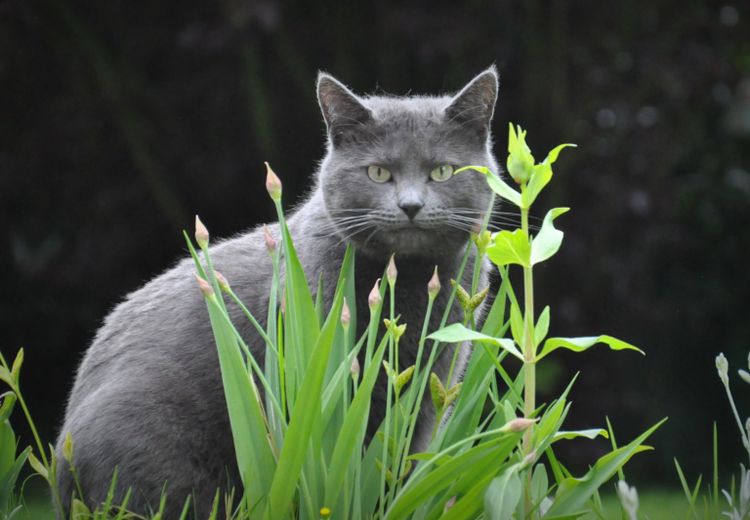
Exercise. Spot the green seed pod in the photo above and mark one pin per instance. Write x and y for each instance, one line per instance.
(461, 294)
(452, 394)
(476, 300)
(403, 378)
(438, 393)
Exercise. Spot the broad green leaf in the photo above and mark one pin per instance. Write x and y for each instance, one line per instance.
(548, 240)
(8, 403)
(6, 377)
(573, 493)
(552, 155)
(37, 466)
(539, 178)
(510, 248)
(496, 184)
(542, 326)
(457, 333)
(502, 495)
(592, 433)
(539, 484)
(7, 448)
(584, 343)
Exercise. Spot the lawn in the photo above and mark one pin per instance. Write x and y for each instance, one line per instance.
(656, 504)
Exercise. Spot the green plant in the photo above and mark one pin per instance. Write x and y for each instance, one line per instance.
(301, 449)
(530, 345)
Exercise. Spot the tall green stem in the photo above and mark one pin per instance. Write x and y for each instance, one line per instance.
(529, 356)
(528, 341)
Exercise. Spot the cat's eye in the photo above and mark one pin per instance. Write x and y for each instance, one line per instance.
(378, 174)
(442, 173)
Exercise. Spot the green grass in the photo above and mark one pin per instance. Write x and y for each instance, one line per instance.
(655, 504)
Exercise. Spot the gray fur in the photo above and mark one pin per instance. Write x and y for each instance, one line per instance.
(148, 396)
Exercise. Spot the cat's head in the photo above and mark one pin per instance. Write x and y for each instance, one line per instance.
(387, 176)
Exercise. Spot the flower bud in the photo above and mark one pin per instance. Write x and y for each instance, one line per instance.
(529, 459)
(744, 375)
(520, 161)
(346, 315)
(628, 498)
(354, 368)
(270, 241)
(273, 184)
(325, 512)
(449, 504)
(67, 448)
(722, 367)
(204, 286)
(518, 425)
(482, 240)
(374, 299)
(395, 329)
(433, 286)
(201, 233)
(223, 283)
(391, 272)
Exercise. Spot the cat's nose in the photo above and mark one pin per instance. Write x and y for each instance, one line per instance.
(411, 207)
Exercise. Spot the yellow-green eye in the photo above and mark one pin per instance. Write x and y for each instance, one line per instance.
(442, 173)
(378, 174)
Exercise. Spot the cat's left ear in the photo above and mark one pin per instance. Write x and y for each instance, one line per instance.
(474, 105)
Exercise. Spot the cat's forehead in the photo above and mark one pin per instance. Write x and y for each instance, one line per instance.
(414, 110)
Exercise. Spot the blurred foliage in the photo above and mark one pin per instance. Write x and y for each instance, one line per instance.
(119, 120)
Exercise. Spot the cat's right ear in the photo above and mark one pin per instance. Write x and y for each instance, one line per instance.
(342, 110)
(474, 105)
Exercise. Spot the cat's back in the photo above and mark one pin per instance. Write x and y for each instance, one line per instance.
(161, 331)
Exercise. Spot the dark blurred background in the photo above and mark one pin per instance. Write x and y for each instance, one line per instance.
(121, 120)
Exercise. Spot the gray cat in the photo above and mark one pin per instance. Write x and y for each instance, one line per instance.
(148, 396)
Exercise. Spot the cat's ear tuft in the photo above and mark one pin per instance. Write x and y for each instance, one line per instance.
(342, 110)
(474, 105)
